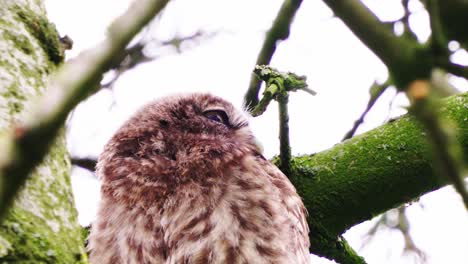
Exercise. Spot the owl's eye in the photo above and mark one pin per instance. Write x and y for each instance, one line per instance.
(218, 116)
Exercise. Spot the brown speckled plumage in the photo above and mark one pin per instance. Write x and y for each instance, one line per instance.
(179, 187)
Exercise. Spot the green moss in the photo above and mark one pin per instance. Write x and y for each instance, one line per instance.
(3, 22)
(15, 98)
(340, 179)
(5, 246)
(30, 75)
(20, 42)
(45, 32)
(42, 227)
(13, 91)
(371, 173)
(32, 244)
(15, 107)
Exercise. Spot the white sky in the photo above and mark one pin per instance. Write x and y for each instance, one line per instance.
(337, 65)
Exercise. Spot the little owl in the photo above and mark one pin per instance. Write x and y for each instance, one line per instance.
(184, 181)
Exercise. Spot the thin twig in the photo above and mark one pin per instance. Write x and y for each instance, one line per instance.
(370, 234)
(439, 42)
(453, 68)
(375, 91)
(30, 141)
(85, 163)
(402, 225)
(405, 20)
(278, 31)
(137, 54)
(285, 147)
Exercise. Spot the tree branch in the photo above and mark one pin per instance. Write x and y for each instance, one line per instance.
(372, 173)
(85, 163)
(30, 141)
(444, 148)
(453, 68)
(276, 83)
(405, 58)
(278, 31)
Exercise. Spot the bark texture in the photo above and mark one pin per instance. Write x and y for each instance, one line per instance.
(41, 226)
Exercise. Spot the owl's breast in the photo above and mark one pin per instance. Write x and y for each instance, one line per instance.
(239, 216)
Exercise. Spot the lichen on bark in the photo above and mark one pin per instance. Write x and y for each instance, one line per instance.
(41, 226)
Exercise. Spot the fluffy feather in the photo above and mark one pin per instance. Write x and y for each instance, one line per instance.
(178, 187)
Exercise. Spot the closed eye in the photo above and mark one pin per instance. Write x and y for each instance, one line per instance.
(217, 116)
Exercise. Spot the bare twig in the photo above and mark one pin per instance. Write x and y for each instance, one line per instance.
(402, 224)
(453, 68)
(30, 141)
(375, 92)
(285, 146)
(85, 163)
(370, 234)
(278, 31)
(137, 54)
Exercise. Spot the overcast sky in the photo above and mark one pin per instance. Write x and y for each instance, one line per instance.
(337, 66)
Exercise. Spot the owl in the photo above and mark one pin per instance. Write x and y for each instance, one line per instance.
(184, 181)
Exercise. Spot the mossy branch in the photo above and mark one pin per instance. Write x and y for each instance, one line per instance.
(278, 85)
(29, 142)
(278, 31)
(333, 247)
(445, 149)
(372, 173)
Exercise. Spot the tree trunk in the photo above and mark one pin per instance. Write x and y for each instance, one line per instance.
(41, 226)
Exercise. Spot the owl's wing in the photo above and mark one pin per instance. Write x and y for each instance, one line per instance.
(294, 209)
(127, 226)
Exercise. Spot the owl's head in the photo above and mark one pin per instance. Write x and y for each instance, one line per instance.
(194, 134)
